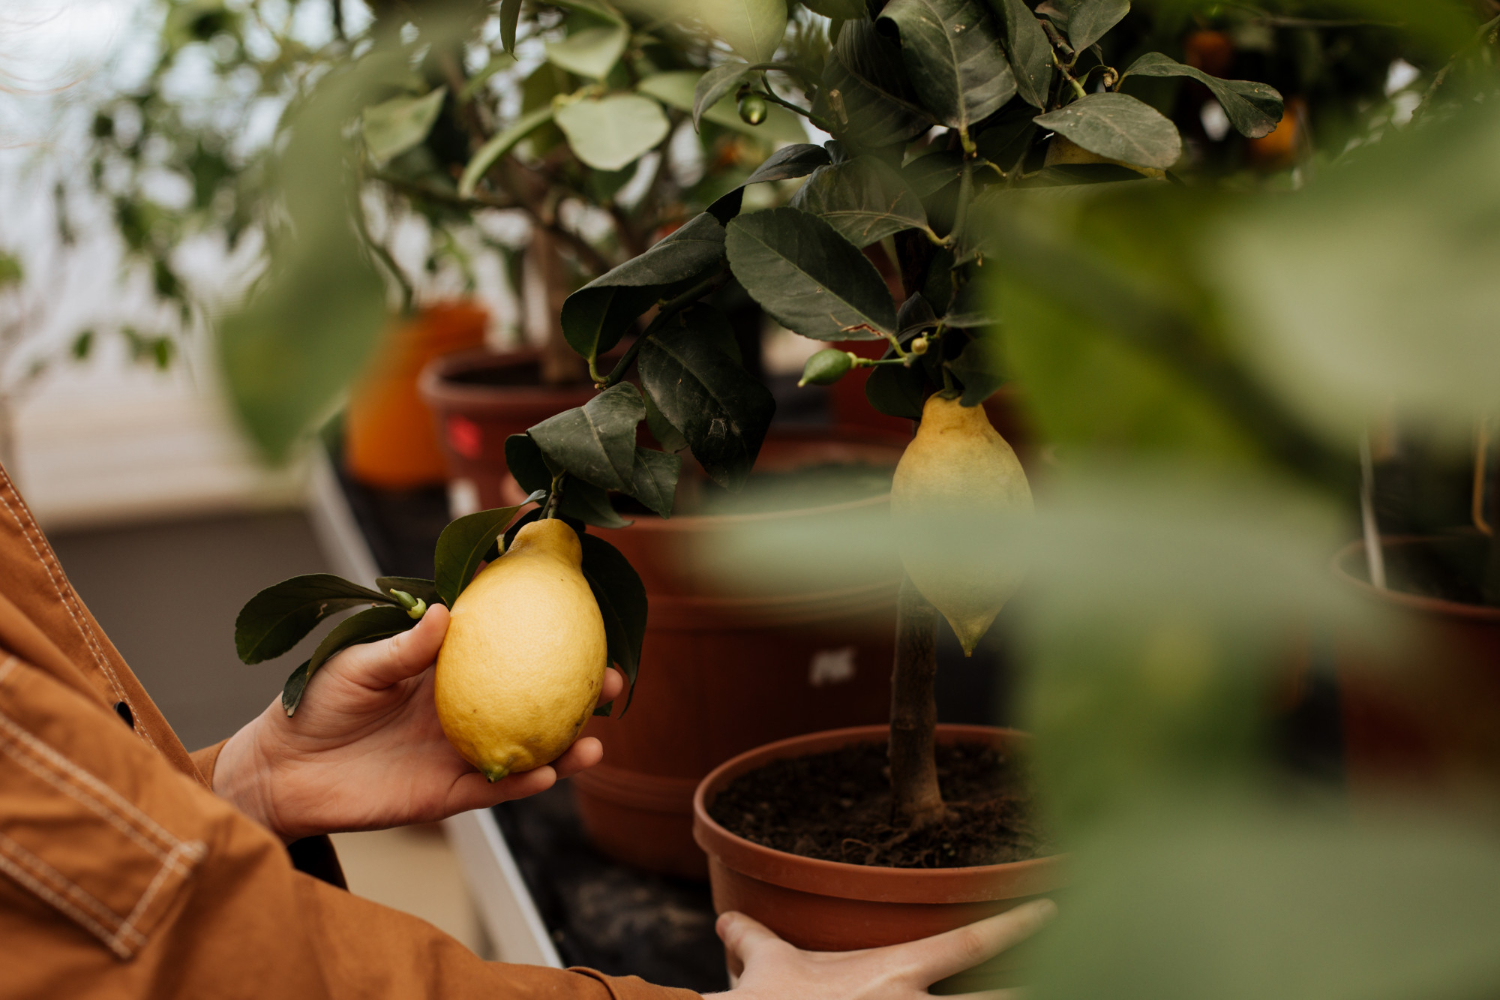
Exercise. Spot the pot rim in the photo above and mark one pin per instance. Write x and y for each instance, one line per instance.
(977, 883)
(1414, 602)
(434, 385)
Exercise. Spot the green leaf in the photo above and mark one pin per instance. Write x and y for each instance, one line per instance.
(1029, 50)
(1006, 140)
(510, 17)
(596, 441)
(980, 368)
(598, 314)
(367, 626)
(722, 411)
(590, 52)
(581, 501)
(678, 89)
(416, 586)
(486, 156)
(969, 308)
(462, 547)
(753, 28)
(1091, 20)
(83, 344)
(654, 479)
(622, 603)
(953, 58)
(865, 93)
(863, 199)
(811, 279)
(612, 132)
(1119, 127)
(715, 85)
(392, 127)
(277, 618)
(896, 391)
(1254, 109)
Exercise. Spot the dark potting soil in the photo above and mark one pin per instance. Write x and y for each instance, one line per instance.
(837, 807)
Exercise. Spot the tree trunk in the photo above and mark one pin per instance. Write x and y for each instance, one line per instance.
(561, 365)
(916, 800)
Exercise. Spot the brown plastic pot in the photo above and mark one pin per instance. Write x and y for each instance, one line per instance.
(831, 906)
(722, 672)
(480, 398)
(1428, 719)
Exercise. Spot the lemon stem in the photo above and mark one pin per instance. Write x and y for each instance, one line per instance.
(554, 497)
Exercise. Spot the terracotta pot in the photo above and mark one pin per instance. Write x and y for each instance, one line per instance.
(833, 906)
(1429, 723)
(478, 399)
(723, 672)
(389, 440)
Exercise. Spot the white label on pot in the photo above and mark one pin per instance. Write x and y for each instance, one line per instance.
(463, 498)
(831, 666)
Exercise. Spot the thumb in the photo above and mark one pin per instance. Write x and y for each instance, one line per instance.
(743, 936)
(381, 664)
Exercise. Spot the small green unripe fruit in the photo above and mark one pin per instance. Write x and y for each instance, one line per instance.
(920, 345)
(826, 367)
(752, 109)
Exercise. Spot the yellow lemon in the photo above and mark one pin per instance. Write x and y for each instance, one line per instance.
(957, 472)
(1062, 150)
(523, 661)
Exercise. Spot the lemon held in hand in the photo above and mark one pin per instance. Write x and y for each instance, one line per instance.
(524, 659)
(958, 467)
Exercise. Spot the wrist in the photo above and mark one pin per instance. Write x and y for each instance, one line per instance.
(242, 776)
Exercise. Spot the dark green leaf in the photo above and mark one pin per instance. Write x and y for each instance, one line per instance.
(416, 586)
(931, 173)
(596, 441)
(1118, 127)
(838, 10)
(1029, 50)
(580, 501)
(896, 391)
(810, 278)
(863, 199)
(1254, 109)
(980, 368)
(1006, 142)
(82, 345)
(654, 482)
(865, 92)
(721, 410)
(915, 314)
(622, 603)
(970, 308)
(797, 160)
(510, 16)
(595, 316)
(276, 619)
(953, 58)
(462, 547)
(666, 433)
(367, 626)
(1084, 21)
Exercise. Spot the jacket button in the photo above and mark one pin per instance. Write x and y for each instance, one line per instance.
(123, 711)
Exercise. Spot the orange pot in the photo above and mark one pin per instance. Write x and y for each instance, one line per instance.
(1430, 723)
(389, 440)
(723, 672)
(831, 906)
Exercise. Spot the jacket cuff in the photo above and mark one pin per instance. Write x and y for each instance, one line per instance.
(635, 988)
(206, 759)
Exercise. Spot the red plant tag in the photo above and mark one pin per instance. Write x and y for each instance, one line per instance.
(465, 437)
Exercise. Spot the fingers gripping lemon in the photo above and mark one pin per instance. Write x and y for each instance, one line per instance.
(523, 662)
(957, 467)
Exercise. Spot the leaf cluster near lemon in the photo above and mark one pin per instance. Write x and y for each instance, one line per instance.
(959, 468)
(523, 662)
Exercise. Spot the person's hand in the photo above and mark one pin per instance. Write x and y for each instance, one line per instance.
(365, 750)
(775, 970)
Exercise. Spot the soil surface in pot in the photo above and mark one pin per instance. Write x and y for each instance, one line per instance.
(837, 807)
(767, 492)
(1450, 569)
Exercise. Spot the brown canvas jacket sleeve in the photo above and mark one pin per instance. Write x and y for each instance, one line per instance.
(123, 876)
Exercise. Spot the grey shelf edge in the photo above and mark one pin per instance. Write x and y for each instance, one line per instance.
(506, 908)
